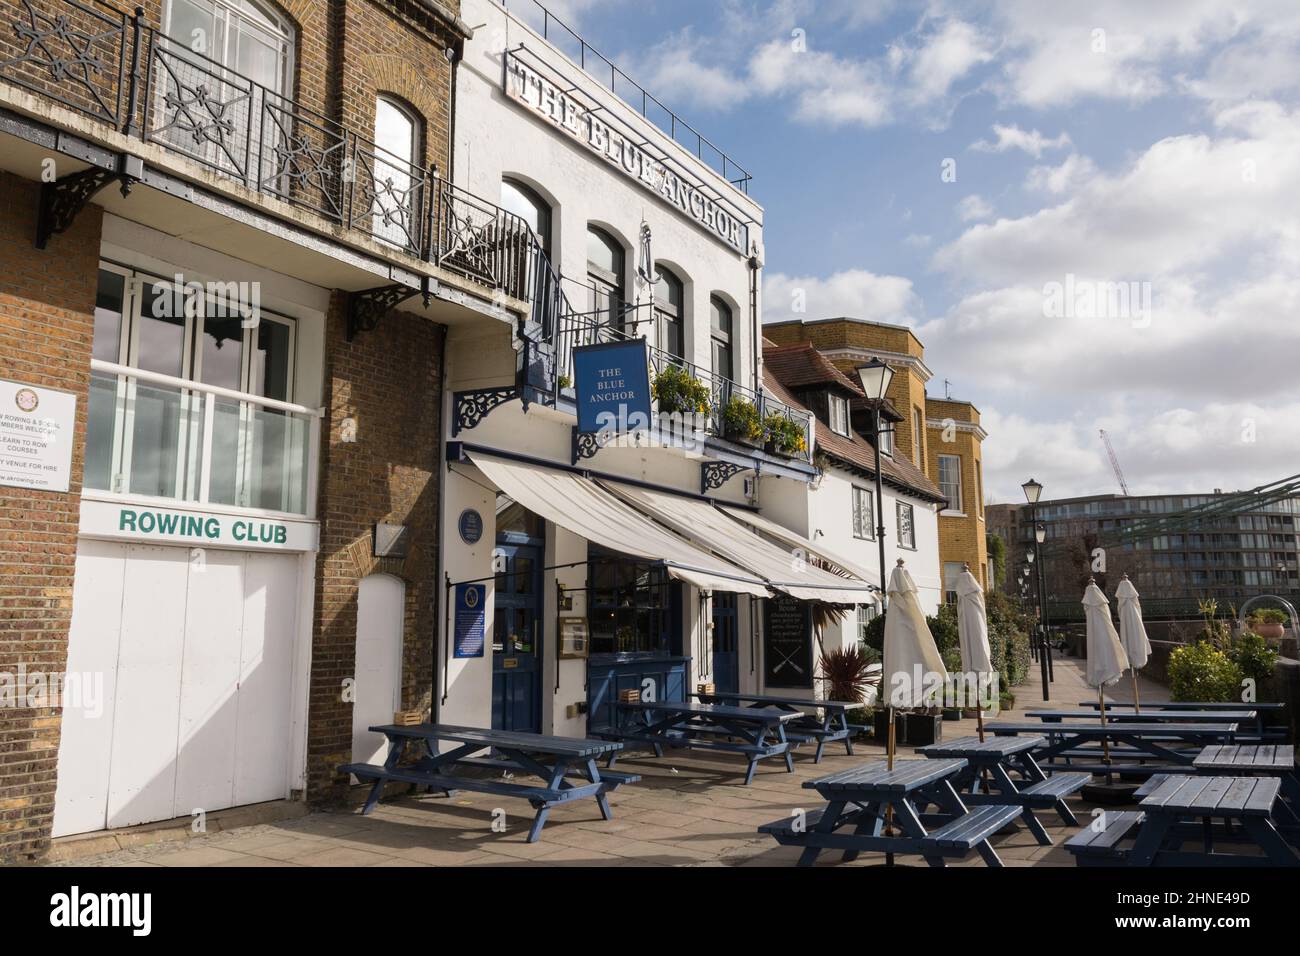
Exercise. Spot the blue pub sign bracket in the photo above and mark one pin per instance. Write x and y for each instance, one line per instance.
(612, 382)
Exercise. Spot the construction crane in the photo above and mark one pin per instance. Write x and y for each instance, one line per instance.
(1114, 462)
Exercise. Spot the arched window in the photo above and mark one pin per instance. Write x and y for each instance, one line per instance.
(669, 297)
(395, 201)
(606, 277)
(720, 331)
(525, 203)
(247, 37)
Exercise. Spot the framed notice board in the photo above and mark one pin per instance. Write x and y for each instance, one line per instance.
(787, 642)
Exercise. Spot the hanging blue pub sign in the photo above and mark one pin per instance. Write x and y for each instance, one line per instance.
(612, 381)
(469, 627)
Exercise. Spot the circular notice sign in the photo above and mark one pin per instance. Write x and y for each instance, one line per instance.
(471, 526)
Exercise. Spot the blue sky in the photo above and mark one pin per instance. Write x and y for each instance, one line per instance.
(1150, 147)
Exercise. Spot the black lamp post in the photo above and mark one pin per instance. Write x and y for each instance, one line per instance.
(875, 377)
(1040, 535)
(1033, 491)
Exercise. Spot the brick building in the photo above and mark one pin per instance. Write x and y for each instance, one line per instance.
(942, 438)
(231, 255)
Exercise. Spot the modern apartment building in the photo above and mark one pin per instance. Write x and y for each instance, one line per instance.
(941, 438)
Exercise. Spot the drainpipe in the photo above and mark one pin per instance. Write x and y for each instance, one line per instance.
(755, 265)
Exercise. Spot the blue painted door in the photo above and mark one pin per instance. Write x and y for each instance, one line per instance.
(726, 656)
(516, 639)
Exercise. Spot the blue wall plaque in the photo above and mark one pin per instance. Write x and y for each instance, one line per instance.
(471, 601)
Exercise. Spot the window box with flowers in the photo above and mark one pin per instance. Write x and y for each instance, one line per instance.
(677, 392)
(784, 436)
(741, 421)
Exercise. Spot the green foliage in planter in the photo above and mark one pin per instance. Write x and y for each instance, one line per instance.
(1253, 656)
(1270, 615)
(785, 434)
(677, 391)
(565, 382)
(740, 417)
(1202, 672)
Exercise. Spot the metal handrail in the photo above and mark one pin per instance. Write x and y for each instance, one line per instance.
(190, 385)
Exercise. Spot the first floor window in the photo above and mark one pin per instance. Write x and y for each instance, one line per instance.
(906, 530)
(863, 514)
(950, 481)
(173, 438)
(866, 614)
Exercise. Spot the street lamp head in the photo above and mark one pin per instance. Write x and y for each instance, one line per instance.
(1029, 556)
(1033, 490)
(875, 377)
(1040, 532)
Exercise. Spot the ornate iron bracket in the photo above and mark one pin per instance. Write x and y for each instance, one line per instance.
(472, 406)
(585, 445)
(64, 199)
(367, 307)
(715, 474)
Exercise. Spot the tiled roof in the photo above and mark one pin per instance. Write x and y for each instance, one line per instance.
(801, 365)
(852, 450)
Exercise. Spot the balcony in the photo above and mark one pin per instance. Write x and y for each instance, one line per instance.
(119, 71)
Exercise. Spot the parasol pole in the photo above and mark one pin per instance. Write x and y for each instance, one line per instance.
(890, 746)
(1105, 740)
(1137, 703)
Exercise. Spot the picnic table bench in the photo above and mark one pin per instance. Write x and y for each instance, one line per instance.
(858, 801)
(552, 759)
(987, 778)
(1183, 808)
(756, 732)
(1239, 715)
(832, 725)
(1260, 709)
(1155, 741)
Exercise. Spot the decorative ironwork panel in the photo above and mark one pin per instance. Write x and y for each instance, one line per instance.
(715, 474)
(72, 52)
(303, 157)
(387, 196)
(472, 406)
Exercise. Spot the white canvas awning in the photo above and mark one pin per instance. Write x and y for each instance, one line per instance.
(579, 505)
(784, 570)
(794, 540)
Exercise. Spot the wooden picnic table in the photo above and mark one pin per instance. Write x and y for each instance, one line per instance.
(858, 803)
(1136, 741)
(987, 778)
(756, 732)
(553, 759)
(1263, 760)
(1260, 708)
(1240, 715)
(831, 725)
(1248, 801)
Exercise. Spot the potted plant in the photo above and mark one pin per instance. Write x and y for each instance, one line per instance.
(678, 392)
(741, 421)
(1007, 700)
(1269, 623)
(784, 436)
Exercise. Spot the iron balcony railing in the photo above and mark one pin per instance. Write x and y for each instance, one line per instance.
(114, 67)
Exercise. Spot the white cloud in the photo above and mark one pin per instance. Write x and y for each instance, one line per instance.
(855, 292)
(1067, 177)
(974, 207)
(945, 56)
(826, 88)
(1013, 137)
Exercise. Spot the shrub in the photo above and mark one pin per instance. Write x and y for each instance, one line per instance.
(1202, 672)
(740, 417)
(1253, 656)
(1270, 615)
(845, 673)
(677, 391)
(785, 434)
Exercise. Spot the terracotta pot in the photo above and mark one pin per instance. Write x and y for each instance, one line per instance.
(1272, 632)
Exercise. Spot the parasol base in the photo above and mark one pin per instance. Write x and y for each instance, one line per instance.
(1110, 794)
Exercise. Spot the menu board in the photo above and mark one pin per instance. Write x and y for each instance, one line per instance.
(787, 643)
(36, 434)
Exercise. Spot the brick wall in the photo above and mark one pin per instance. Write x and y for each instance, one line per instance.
(387, 383)
(47, 302)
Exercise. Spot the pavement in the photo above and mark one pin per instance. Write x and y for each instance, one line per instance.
(689, 810)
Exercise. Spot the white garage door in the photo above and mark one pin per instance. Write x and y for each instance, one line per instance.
(196, 656)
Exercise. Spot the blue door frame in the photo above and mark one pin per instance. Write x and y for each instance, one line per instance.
(517, 635)
(726, 650)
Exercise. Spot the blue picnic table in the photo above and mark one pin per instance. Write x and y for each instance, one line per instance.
(1261, 708)
(987, 778)
(552, 759)
(859, 802)
(1217, 812)
(756, 732)
(1153, 715)
(832, 724)
(1154, 744)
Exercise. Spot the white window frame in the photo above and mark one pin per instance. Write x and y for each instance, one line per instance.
(917, 438)
(194, 459)
(957, 508)
(837, 414)
(910, 523)
(866, 496)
